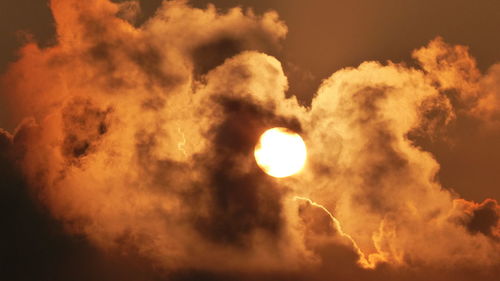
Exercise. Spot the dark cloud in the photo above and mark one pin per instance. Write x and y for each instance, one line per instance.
(212, 54)
(84, 125)
(35, 246)
(382, 160)
(243, 200)
(483, 218)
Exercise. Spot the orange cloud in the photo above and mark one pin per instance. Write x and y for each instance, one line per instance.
(142, 141)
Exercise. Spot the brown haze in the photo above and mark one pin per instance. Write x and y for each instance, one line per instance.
(138, 139)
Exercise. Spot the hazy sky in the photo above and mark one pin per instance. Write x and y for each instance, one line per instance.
(128, 129)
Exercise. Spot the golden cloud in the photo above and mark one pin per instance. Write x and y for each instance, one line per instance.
(141, 139)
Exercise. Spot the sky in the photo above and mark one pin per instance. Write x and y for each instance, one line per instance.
(127, 132)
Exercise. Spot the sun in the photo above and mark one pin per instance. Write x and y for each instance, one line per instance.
(280, 152)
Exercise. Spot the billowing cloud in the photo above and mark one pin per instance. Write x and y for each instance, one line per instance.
(481, 218)
(140, 139)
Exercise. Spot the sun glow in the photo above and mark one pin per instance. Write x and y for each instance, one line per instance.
(280, 152)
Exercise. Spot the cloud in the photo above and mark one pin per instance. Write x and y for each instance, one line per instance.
(480, 218)
(142, 137)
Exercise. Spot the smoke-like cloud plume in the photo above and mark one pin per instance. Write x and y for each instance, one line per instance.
(139, 141)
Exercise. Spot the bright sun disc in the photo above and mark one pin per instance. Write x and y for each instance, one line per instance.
(280, 152)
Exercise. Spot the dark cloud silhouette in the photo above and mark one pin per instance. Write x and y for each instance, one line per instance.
(483, 218)
(242, 200)
(210, 55)
(34, 245)
(84, 125)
